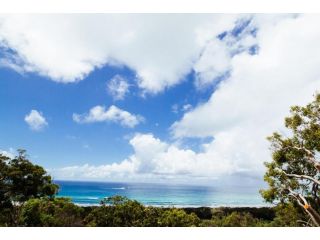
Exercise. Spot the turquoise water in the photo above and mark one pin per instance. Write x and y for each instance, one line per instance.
(91, 193)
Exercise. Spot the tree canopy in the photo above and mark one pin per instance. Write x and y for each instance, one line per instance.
(21, 180)
(293, 174)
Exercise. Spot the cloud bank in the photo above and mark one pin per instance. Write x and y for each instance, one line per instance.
(160, 48)
(154, 159)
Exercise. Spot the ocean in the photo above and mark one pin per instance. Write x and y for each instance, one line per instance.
(91, 193)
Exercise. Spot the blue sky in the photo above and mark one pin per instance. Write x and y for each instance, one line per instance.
(63, 140)
(143, 97)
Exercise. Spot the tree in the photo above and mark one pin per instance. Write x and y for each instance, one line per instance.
(178, 218)
(46, 212)
(235, 219)
(4, 200)
(117, 211)
(293, 174)
(20, 180)
(288, 215)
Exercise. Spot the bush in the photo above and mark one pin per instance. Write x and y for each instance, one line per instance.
(44, 212)
(21, 180)
(287, 215)
(178, 218)
(117, 211)
(234, 219)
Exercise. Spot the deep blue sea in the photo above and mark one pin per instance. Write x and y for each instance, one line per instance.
(91, 193)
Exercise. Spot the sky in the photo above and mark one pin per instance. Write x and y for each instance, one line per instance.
(171, 98)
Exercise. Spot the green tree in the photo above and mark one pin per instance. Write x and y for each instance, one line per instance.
(20, 180)
(4, 198)
(151, 216)
(294, 173)
(50, 212)
(288, 215)
(234, 219)
(178, 218)
(117, 211)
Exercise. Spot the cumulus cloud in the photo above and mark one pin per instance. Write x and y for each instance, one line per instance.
(245, 108)
(253, 102)
(113, 114)
(118, 87)
(213, 63)
(35, 120)
(160, 48)
(156, 159)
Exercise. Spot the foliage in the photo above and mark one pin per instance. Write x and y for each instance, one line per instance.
(178, 218)
(117, 211)
(287, 215)
(20, 180)
(45, 212)
(234, 219)
(294, 173)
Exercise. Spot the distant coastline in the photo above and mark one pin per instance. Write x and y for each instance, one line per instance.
(88, 193)
(266, 205)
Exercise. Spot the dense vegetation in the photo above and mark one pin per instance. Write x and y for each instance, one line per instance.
(28, 195)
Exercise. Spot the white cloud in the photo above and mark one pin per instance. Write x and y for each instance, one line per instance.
(155, 159)
(175, 108)
(9, 154)
(87, 171)
(161, 48)
(213, 63)
(35, 120)
(113, 114)
(186, 107)
(118, 87)
(252, 103)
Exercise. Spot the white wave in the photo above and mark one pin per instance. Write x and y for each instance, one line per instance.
(87, 204)
(87, 197)
(93, 198)
(119, 188)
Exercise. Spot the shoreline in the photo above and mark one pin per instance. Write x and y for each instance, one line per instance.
(186, 206)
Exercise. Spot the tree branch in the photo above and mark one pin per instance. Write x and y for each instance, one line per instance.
(304, 222)
(310, 156)
(302, 177)
(315, 217)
